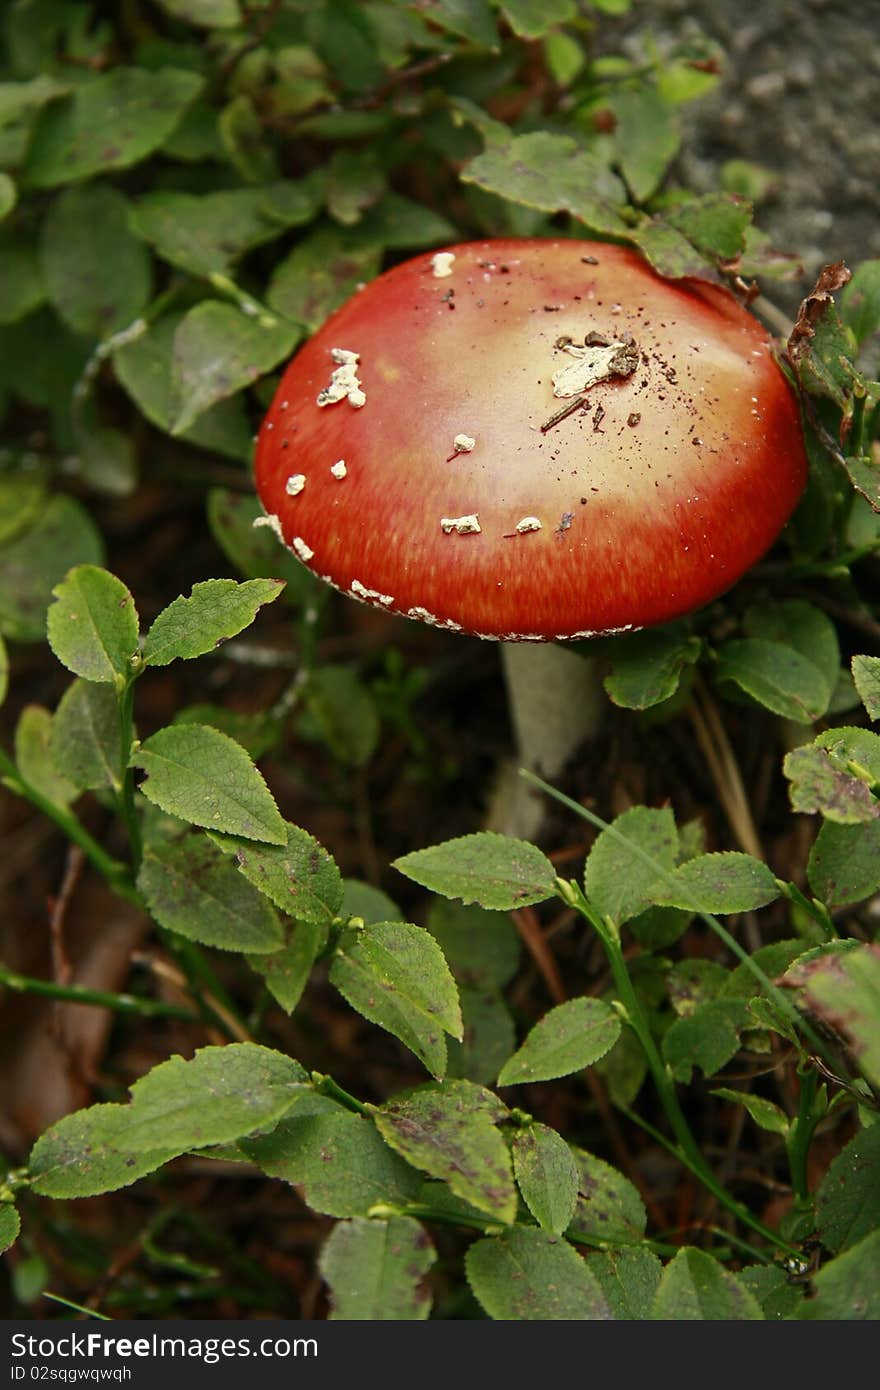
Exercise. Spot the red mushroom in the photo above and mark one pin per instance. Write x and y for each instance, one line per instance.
(533, 441)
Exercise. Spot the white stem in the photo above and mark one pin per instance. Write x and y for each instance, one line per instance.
(555, 706)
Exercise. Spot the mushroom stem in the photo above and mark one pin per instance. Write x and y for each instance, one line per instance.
(555, 705)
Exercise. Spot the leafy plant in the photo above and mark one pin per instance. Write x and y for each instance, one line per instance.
(186, 191)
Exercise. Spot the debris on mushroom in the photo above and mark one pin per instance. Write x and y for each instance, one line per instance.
(370, 595)
(339, 469)
(528, 523)
(344, 383)
(304, 551)
(594, 362)
(463, 444)
(462, 525)
(274, 524)
(441, 264)
(295, 484)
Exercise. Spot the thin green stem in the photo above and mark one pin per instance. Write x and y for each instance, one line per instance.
(116, 873)
(127, 799)
(78, 994)
(800, 1134)
(326, 1086)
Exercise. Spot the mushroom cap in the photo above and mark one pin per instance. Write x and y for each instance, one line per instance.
(410, 458)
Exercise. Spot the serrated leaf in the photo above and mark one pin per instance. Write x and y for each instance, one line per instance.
(532, 19)
(647, 667)
(254, 550)
(395, 974)
(707, 1038)
(864, 474)
(320, 274)
(526, 1275)
(848, 1287)
(646, 137)
(448, 1131)
(776, 676)
(34, 758)
(194, 890)
(218, 350)
(844, 863)
(97, 275)
(10, 1225)
(848, 1199)
(222, 1094)
(93, 625)
(801, 626)
(86, 736)
(37, 559)
(609, 1209)
(773, 1289)
(628, 1278)
(552, 173)
(204, 233)
(79, 1156)
(835, 775)
(286, 971)
(715, 224)
(866, 674)
(397, 223)
(726, 881)
(765, 1113)
(298, 874)
(842, 988)
(202, 776)
(340, 1159)
(567, 1039)
(110, 121)
(617, 879)
(547, 1176)
(375, 1269)
(860, 301)
(495, 871)
(695, 1287)
(216, 610)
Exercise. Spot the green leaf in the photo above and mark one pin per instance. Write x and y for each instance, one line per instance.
(397, 223)
(492, 870)
(842, 989)
(298, 874)
(222, 1094)
(526, 1275)
(669, 252)
(4, 671)
(97, 274)
(471, 19)
(483, 948)
(715, 224)
(93, 625)
(448, 1130)
(194, 890)
(488, 1039)
(835, 775)
(22, 499)
(551, 172)
(707, 1038)
(765, 1113)
(217, 351)
(866, 674)
(86, 736)
(860, 301)
(820, 347)
(844, 863)
(727, 881)
(567, 1039)
(63, 535)
(286, 971)
(208, 14)
(776, 676)
(848, 1199)
(531, 19)
(646, 137)
(774, 1290)
(143, 366)
(848, 1287)
(34, 759)
(547, 1176)
(800, 625)
(647, 667)
(10, 1225)
(216, 610)
(696, 1288)
(200, 775)
(79, 1156)
(609, 1209)
(396, 975)
(375, 1270)
(628, 1278)
(321, 273)
(111, 121)
(864, 474)
(342, 1162)
(254, 550)
(21, 284)
(8, 195)
(354, 183)
(617, 879)
(204, 233)
(343, 712)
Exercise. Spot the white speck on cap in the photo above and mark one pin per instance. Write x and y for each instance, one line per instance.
(344, 383)
(463, 444)
(304, 551)
(274, 524)
(295, 484)
(339, 469)
(370, 595)
(441, 264)
(528, 523)
(462, 525)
